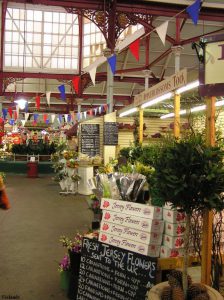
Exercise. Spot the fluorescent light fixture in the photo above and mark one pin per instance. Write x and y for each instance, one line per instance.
(198, 108)
(188, 87)
(182, 112)
(219, 103)
(21, 103)
(157, 100)
(128, 112)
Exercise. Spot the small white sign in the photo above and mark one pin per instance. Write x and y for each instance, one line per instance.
(32, 158)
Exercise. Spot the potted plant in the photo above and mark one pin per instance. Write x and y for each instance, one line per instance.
(189, 175)
(65, 272)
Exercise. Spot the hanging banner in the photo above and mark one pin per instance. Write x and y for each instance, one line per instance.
(23, 122)
(194, 10)
(75, 81)
(92, 74)
(26, 116)
(62, 91)
(48, 97)
(112, 62)
(170, 84)
(10, 111)
(134, 49)
(130, 39)
(162, 30)
(66, 118)
(37, 99)
(52, 118)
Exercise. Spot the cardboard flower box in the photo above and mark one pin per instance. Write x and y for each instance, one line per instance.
(150, 250)
(175, 229)
(135, 222)
(134, 209)
(173, 241)
(173, 216)
(131, 233)
(168, 252)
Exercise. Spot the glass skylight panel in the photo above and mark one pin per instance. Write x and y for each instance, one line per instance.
(51, 34)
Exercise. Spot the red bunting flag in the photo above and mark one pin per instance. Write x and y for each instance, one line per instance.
(90, 112)
(15, 115)
(75, 81)
(37, 102)
(45, 116)
(1, 120)
(134, 48)
(10, 111)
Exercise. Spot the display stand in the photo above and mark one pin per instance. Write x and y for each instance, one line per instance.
(86, 173)
(67, 185)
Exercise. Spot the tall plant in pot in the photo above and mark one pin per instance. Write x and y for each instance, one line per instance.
(189, 175)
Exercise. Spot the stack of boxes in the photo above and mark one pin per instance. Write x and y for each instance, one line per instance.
(173, 237)
(132, 226)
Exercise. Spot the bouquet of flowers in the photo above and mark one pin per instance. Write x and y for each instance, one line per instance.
(64, 264)
(95, 204)
(74, 245)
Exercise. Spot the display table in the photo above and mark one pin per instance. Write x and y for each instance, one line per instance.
(86, 173)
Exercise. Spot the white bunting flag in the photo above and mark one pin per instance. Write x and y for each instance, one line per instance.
(17, 111)
(48, 97)
(85, 114)
(66, 118)
(97, 62)
(23, 122)
(80, 116)
(26, 116)
(52, 118)
(95, 111)
(100, 110)
(130, 39)
(92, 74)
(162, 30)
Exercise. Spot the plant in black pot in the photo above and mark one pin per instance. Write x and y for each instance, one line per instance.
(189, 175)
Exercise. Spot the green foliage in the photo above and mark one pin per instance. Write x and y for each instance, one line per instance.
(39, 148)
(190, 175)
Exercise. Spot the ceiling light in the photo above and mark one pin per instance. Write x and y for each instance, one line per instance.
(198, 108)
(182, 112)
(128, 112)
(157, 100)
(188, 87)
(219, 103)
(21, 102)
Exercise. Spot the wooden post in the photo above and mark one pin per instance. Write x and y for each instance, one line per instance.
(177, 116)
(141, 120)
(207, 216)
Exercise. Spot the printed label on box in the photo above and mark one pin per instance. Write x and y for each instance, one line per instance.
(173, 216)
(135, 222)
(134, 209)
(175, 229)
(131, 233)
(150, 250)
(173, 241)
(167, 252)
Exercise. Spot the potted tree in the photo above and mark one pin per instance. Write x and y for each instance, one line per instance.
(189, 175)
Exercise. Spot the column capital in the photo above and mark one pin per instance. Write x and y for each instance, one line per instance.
(107, 52)
(79, 101)
(147, 73)
(177, 49)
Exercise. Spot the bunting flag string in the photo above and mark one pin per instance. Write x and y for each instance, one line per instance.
(75, 82)
(48, 97)
(134, 49)
(193, 11)
(37, 99)
(112, 62)
(62, 91)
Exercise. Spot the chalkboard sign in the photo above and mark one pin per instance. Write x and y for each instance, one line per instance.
(111, 273)
(90, 139)
(110, 133)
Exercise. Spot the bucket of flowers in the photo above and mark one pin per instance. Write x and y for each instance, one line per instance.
(64, 269)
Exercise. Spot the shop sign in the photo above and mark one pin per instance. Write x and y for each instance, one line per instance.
(170, 84)
(211, 70)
